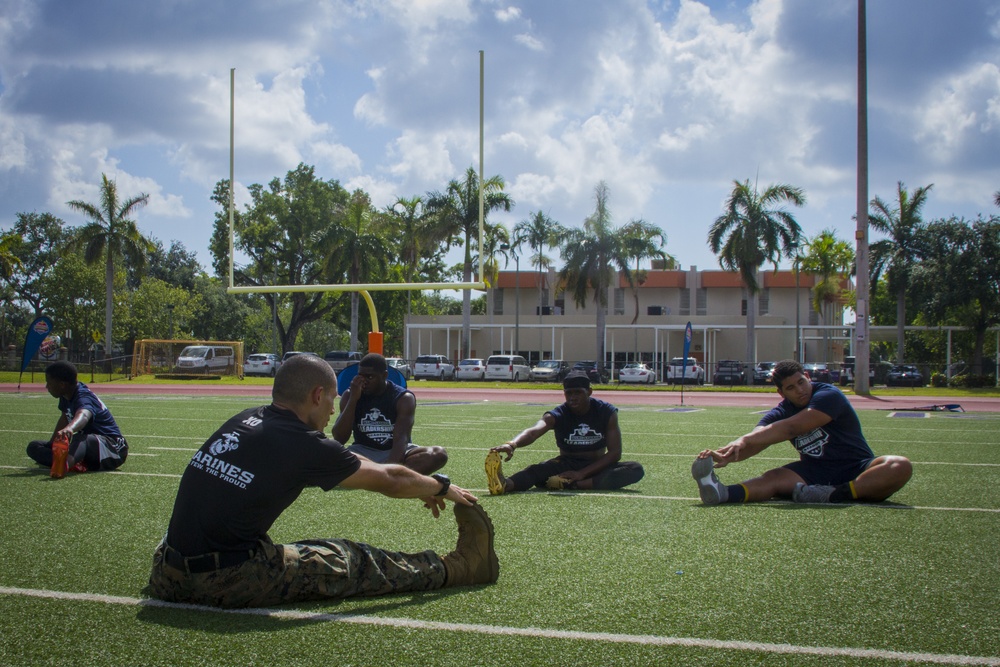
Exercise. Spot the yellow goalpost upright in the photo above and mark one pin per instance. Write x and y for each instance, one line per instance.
(375, 336)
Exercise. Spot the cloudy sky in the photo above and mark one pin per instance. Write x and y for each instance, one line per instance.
(668, 101)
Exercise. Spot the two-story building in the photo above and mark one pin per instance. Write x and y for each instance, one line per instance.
(529, 314)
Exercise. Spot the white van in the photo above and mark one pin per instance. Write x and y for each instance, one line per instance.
(507, 367)
(206, 359)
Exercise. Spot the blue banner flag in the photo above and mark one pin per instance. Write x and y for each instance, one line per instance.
(37, 332)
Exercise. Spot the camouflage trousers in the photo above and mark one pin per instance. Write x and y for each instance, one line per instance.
(308, 570)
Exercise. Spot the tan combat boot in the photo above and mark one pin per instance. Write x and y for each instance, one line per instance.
(473, 561)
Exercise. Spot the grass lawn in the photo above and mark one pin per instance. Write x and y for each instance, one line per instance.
(646, 576)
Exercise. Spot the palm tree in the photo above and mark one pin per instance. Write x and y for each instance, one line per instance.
(361, 250)
(895, 255)
(830, 260)
(113, 234)
(996, 197)
(642, 241)
(411, 229)
(538, 231)
(591, 256)
(752, 231)
(456, 213)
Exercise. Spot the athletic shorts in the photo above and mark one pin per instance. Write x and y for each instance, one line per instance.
(823, 472)
(377, 455)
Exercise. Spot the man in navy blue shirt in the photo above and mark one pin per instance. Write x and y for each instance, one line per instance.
(589, 441)
(95, 442)
(835, 462)
(380, 416)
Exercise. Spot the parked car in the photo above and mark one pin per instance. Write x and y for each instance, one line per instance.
(470, 369)
(902, 375)
(762, 372)
(507, 367)
(341, 359)
(433, 367)
(679, 373)
(636, 373)
(261, 364)
(400, 365)
(550, 370)
(729, 372)
(288, 355)
(848, 371)
(590, 368)
(205, 359)
(818, 372)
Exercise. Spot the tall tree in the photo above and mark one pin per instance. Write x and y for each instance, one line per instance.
(113, 235)
(957, 278)
(592, 255)
(411, 228)
(538, 231)
(901, 222)
(283, 233)
(35, 243)
(643, 241)
(830, 260)
(456, 213)
(8, 260)
(358, 249)
(753, 231)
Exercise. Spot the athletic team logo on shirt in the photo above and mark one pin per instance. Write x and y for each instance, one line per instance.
(376, 426)
(812, 443)
(584, 436)
(227, 443)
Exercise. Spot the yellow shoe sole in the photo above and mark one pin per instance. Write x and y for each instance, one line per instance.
(494, 478)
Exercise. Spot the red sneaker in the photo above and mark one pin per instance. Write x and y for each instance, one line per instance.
(79, 466)
(60, 450)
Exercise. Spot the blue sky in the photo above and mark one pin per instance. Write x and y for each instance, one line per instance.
(666, 101)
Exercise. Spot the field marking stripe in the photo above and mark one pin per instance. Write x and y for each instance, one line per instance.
(592, 494)
(541, 633)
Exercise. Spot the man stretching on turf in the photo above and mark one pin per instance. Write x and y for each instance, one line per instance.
(217, 551)
(835, 463)
(92, 438)
(589, 441)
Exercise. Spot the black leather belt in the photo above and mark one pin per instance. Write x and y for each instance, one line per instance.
(210, 562)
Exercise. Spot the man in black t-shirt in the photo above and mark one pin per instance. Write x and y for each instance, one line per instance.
(589, 442)
(217, 552)
(380, 415)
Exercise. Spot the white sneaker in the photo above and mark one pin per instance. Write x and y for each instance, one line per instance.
(711, 490)
(812, 493)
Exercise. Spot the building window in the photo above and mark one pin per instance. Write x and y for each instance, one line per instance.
(701, 301)
(619, 301)
(764, 301)
(498, 302)
(685, 308)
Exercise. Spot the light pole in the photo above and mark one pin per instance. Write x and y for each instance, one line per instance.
(170, 321)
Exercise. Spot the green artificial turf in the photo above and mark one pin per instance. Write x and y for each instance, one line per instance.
(619, 578)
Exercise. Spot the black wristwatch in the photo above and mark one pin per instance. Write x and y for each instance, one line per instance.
(445, 483)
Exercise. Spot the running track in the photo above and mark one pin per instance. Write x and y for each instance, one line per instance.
(426, 391)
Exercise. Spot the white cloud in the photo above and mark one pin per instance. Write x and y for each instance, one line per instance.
(964, 110)
(507, 14)
(527, 40)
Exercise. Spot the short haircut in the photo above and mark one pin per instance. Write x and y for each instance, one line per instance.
(576, 380)
(784, 370)
(374, 361)
(298, 376)
(62, 371)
